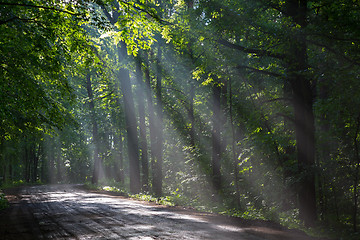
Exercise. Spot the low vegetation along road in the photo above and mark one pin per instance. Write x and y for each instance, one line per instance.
(68, 212)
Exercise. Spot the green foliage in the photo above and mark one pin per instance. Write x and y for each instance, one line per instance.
(13, 184)
(18, 183)
(36, 42)
(3, 201)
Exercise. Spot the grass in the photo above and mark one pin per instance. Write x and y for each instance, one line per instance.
(289, 219)
(3, 201)
(18, 184)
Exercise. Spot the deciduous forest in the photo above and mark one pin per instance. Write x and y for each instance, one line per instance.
(245, 108)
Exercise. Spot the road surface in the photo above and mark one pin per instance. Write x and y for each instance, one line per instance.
(68, 212)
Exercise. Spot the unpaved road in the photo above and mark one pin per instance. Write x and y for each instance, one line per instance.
(67, 212)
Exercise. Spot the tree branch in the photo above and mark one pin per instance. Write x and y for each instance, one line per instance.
(17, 18)
(275, 100)
(8, 20)
(41, 7)
(258, 52)
(107, 14)
(335, 52)
(151, 14)
(114, 19)
(260, 71)
(334, 37)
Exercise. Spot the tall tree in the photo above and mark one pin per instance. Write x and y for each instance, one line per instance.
(130, 122)
(98, 165)
(129, 108)
(158, 146)
(142, 127)
(152, 117)
(216, 137)
(303, 110)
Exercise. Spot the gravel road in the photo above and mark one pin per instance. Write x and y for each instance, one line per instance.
(68, 212)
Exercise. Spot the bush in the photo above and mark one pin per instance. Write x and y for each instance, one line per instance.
(3, 202)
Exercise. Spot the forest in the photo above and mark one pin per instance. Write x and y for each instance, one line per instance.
(242, 107)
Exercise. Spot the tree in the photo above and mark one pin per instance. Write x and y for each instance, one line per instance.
(143, 142)
(303, 111)
(216, 137)
(158, 145)
(129, 109)
(98, 165)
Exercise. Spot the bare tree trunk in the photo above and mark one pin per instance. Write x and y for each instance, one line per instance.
(143, 142)
(356, 180)
(119, 159)
(97, 161)
(27, 162)
(216, 138)
(234, 152)
(303, 112)
(151, 110)
(130, 122)
(157, 160)
(191, 115)
(129, 108)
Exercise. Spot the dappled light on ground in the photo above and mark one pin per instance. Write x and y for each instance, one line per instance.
(67, 212)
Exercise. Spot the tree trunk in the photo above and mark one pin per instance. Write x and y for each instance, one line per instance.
(305, 143)
(36, 158)
(216, 138)
(51, 162)
(324, 150)
(27, 162)
(303, 112)
(130, 122)
(59, 165)
(356, 178)
(152, 120)
(119, 161)
(234, 152)
(97, 161)
(143, 142)
(129, 108)
(157, 171)
(191, 115)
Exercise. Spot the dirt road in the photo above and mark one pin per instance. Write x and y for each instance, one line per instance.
(67, 212)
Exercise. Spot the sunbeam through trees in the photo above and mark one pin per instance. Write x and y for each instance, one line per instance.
(245, 108)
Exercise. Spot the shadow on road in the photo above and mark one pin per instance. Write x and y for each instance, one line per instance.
(67, 212)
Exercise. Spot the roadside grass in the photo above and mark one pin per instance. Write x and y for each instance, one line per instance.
(3, 201)
(288, 219)
(18, 184)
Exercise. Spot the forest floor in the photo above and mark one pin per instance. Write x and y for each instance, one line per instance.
(70, 212)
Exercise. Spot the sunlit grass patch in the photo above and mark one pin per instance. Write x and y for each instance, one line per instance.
(290, 218)
(167, 201)
(111, 189)
(250, 213)
(107, 187)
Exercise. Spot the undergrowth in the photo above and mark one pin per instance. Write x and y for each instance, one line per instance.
(3, 201)
(288, 219)
(19, 183)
